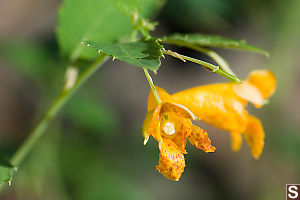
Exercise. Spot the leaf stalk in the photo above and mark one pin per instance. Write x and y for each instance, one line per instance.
(209, 66)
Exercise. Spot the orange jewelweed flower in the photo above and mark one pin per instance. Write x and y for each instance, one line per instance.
(170, 124)
(223, 106)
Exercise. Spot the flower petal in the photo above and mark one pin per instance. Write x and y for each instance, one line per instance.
(258, 87)
(163, 95)
(181, 127)
(171, 160)
(250, 93)
(264, 81)
(236, 141)
(215, 104)
(255, 136)
(199, 138)
(146, 125)
(154, 126)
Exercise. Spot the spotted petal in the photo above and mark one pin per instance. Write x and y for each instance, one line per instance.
(176, 129)
(199, 138)
(171, 160)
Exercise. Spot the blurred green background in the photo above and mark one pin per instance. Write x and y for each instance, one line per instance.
(94, 148)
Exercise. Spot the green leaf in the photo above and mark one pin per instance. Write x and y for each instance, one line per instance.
(145, 53)
(145, 8)
(5, 169)
(97, 20)
(189, 40)
(126, 6)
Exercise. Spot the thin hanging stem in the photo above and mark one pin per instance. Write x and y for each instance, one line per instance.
(207, 65)
(149, 79)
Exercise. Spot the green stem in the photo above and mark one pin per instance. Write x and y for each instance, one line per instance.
(149, 79)
(213, 55)
(133, 35)
(216, 57)
(207, 65)
(64, 95)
